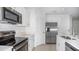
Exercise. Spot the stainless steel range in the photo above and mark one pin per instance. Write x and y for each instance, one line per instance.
(7, 38)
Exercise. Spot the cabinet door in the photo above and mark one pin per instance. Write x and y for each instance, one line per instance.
(30, 43)
(60, 44)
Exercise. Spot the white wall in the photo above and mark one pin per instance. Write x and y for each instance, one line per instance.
(37, 23)
(40, 27)
(6, 27)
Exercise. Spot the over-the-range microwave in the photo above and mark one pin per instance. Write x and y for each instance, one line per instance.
(10, 15)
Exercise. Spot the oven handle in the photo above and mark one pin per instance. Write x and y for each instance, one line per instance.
(19, 46)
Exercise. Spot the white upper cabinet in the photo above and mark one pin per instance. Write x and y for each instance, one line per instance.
(65, 24)
(25, 15)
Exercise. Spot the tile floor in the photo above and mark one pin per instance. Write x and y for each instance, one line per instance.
(46, 47)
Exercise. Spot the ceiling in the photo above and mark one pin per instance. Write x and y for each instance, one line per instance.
(73, 11)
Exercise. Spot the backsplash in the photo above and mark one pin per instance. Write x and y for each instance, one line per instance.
(10, 27)
(20, 31)
(6, 27)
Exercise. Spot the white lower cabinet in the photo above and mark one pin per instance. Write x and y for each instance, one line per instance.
(30, 43)
(60, 44)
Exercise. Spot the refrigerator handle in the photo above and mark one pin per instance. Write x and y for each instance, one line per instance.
(48, 29)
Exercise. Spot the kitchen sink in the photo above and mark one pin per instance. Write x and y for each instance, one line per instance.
(63, 36)
(66, 37)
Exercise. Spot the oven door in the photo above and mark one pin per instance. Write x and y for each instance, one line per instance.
(22, 46)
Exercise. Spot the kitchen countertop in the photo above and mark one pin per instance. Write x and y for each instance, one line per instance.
(26, 36)
(20, 39)
(74, 43)
(5, 48)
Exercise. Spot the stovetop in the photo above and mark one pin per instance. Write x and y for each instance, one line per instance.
(7, 38)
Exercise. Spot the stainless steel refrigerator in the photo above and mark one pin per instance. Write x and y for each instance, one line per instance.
(51, 32)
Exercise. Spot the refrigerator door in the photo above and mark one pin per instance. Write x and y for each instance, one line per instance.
(51, 37)
(51, 32)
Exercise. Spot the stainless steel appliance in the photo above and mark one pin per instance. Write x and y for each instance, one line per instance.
(10, 15)
(21, 44)
(51, 32)
(69, 47)
(7, 38)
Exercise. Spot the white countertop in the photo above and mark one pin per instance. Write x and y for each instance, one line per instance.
(74, 43)
(23, 35)
(5, 48)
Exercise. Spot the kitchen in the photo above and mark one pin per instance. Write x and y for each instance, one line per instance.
(32, 26)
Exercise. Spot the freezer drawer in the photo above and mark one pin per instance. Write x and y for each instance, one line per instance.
(51, 37)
